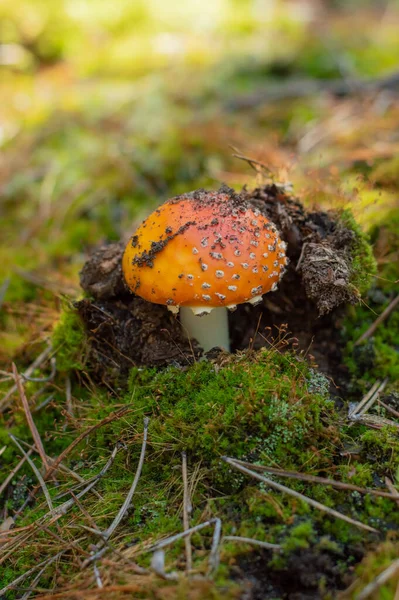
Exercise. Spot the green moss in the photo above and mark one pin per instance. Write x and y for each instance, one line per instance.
(376, 357)
(301, 536)
(69, 341)
(386, 173)
(364, 266)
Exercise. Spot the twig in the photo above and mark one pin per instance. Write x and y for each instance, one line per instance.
(315, 479)
(158, 566)
(13, 472)
(392, 489)
(178, 536)
(36, 363)
(68, 396)
(108, 532)
(302, 254)
(29, 418)
(62, 468)
(393, 412)
(63, 508)
(186, 512)
(82, 436)
(254, 163)
(97, 576)
(36, 472)
(245, 540)
(368, 400)
(379, 581)
(44, 403)
(282, 488)
(375, 421)
(213, 561)
(44, 563)
(391, 306)
(53, 364)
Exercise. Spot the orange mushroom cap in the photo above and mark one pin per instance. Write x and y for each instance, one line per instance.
(204, 250)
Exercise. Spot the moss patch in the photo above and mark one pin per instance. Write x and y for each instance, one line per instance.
(262, 407)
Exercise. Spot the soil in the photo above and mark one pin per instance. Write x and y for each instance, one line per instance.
(125, 330)
(309, 574)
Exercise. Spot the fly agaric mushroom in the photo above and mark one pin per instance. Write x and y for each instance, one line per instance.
(204, 253)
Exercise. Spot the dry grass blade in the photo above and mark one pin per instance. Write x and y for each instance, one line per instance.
(245, 540)
(392, 489)
(36, 363)
(29, 418)
(384, 315)
(37, 473)
(315, 479)
(382, 578)
(63, 508)
(368, 400)
(13, 472)
(186, 512)
(310, 501)
(108, 532)
(50, 377)
(93, 594)
(82, 436)
(44, 563)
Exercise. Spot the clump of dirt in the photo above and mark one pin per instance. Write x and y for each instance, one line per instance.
(125, 330)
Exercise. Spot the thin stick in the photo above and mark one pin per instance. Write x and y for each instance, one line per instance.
(186, 512)
(253, 163)
(315, 479)
(392, 489)
(36, 363)
(213, 561)
(82, 436)
(16, 581)
(97, 576)
(53, 364)
(29, 418)
(284, 489)
(36, 472)
(372, 400)
(178, 536)
(108, 532)
(391, 306)
(379, 581)
(365, 398)
(68, 396)
(13, 472)
(245, 540)
(393, 412)
(63, 508)
(300, 259)
(64, 469)
(86, 594)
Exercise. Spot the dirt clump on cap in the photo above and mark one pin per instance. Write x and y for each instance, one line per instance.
(125, 330)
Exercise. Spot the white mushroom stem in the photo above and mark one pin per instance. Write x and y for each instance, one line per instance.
(210, 329)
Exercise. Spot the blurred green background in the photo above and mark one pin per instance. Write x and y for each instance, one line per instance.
(107, 108)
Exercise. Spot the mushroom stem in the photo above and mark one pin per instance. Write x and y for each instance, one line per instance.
(210, 329)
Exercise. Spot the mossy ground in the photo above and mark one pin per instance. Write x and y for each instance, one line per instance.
(87, 153)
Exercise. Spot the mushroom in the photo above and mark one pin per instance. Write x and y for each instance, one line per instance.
(204, 253)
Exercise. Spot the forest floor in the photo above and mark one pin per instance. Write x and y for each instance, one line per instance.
(115, 434)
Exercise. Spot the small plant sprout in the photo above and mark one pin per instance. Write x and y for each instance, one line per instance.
(203, 253)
